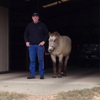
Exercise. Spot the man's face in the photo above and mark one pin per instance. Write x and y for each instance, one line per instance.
(35, 19)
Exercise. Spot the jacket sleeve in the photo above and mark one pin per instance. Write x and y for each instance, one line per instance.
(26, 34)
(46, 33)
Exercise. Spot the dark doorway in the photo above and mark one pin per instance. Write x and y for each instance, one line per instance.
(75, 18)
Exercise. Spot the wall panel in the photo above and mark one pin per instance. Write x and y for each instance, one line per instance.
(4, 39)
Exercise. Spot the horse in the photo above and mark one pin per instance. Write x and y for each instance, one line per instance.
(59, 46)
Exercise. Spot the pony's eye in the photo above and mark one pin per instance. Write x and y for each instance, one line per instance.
(55, 40)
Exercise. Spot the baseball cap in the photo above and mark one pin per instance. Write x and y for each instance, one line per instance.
(35, 14)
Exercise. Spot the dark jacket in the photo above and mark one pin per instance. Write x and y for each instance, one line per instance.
(36, 33)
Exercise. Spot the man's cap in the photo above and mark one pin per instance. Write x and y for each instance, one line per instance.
(35, 14)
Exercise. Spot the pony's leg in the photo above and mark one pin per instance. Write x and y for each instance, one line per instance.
(62, 69)
(54, 66)
(65, 65)
(60, 65)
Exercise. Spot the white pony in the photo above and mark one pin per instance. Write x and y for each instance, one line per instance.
(59, 46)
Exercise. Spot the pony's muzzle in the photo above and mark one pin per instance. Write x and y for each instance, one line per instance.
(50, 49)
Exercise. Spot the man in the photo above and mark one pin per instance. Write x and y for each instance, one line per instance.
(35, 35)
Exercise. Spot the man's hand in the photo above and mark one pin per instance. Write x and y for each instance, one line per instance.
(42, 43)
(27, 44)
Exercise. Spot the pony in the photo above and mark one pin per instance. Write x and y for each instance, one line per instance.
(59, 46)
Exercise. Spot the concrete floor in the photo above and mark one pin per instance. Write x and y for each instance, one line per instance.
(76, 79)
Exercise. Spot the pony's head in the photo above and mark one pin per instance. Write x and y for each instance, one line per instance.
(53, 41)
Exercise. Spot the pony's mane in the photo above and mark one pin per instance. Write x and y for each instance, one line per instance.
(55, 34)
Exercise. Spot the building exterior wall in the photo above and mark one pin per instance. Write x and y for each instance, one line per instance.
(4, 39)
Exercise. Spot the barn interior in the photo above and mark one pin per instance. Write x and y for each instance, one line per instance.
(77, 19)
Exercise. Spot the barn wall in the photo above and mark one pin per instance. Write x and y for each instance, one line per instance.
(4, 47)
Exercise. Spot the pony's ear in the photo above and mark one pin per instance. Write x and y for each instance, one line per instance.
(49, 33)
(56, 33)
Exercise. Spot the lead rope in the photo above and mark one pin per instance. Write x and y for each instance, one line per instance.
(38, 56)
(46, 53)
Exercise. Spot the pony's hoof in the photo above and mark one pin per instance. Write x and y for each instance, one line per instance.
(62, 74)
(59, 76)
(53, 76)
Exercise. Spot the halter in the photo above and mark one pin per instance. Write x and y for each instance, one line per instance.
(52, 47)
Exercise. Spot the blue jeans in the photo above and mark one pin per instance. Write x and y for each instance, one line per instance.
(36, 50)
